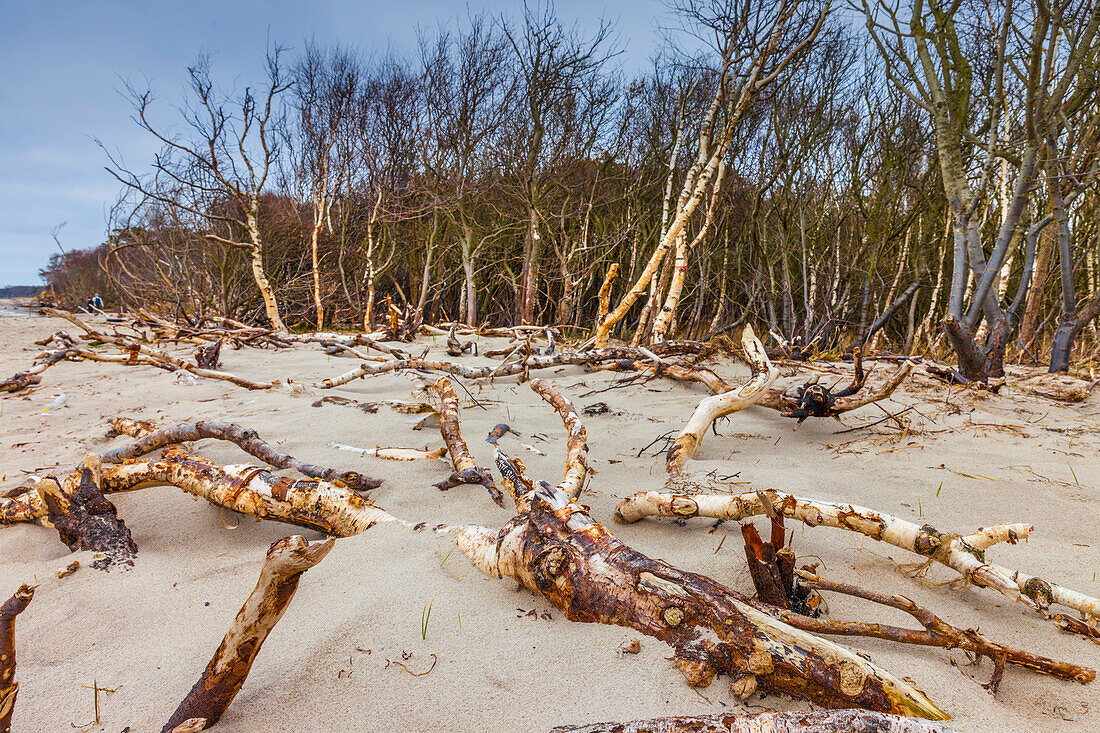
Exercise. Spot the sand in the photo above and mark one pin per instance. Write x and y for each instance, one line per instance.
(147, 633)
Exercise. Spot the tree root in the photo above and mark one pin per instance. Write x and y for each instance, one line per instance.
(86, 520)
(835, 721)
(151, 439)
(964, 554)
(9, 688)
(556, 550)
(223, 677)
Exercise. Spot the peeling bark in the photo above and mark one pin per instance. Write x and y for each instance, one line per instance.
(837, 721)
(964, 554)
(223, 677)
(9, 688)
(556, 550)
(466, 471)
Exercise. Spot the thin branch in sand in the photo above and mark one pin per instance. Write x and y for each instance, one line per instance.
(9, 688)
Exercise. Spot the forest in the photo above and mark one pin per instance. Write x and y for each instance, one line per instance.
(920, 178)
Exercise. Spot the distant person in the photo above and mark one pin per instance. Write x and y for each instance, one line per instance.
(97, 302)
(88, 304)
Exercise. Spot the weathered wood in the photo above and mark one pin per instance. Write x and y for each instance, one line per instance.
(223, 677)
(9, 688)
(86, 519)
(937, 632)
(22, 380)
(834, 721)
(716, 406)
(555, 549)
(964, 554)
(151, 439)
(466, 471)
(136, 348)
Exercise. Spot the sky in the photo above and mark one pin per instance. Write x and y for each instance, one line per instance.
(63, 62)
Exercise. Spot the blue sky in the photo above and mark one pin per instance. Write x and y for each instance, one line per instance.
(62, 63)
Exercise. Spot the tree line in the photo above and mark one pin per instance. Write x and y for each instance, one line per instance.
(914, 175)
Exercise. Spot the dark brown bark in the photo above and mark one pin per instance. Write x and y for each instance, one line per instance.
(9, 688)
(87, 520)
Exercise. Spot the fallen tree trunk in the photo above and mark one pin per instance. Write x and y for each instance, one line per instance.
(151, 439)
(466, 471)
(964, 554)
(9, 688)
(223, 677)
(86, 520)
(556, 550)
(835, 721)
(332, 508)
(716, 406)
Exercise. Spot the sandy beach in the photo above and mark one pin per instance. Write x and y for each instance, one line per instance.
(964, 461)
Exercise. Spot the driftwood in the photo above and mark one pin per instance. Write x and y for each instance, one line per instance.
(458, 348)
(835, 721)
(151, 439)
(555, 549)
(209, 357)
(9, 688)
(962, 553)
(329, 507)
(813, 399)
(719, 405)
(137, 349)
(466, 471)
(22, 380)
(506, 369)
(220, 682)
(937, 632)
(86, 519)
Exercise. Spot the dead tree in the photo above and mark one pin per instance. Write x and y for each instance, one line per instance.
(86, 519)
(217, 172)
(137, 352)
(836, 721)
(22, 380)
(9, 688)
(223, 677)
(555, 549)
(963, 553)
